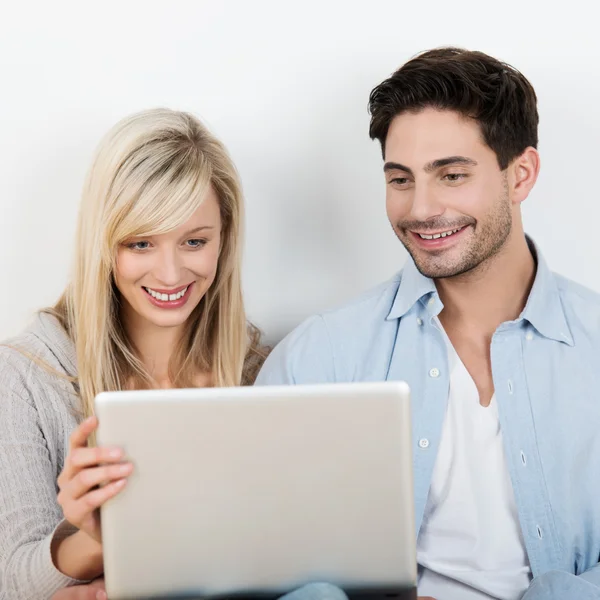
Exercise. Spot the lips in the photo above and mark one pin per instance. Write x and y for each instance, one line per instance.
(438, 235)
(167, 295)
(437, 240)
(168, 299)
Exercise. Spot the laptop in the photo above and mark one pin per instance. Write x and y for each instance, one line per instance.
(252, 492)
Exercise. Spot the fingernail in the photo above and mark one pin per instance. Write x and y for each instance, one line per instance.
(116, 453)
(125, 469)
(120, 483)
(101, 595)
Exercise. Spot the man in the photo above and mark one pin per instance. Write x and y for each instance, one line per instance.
(502, 356)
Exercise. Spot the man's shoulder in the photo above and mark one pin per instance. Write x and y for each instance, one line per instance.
(580, 303)
(370, 307)
(325, 346)
(576, 291)
(361, 313)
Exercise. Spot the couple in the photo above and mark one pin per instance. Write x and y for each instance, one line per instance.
(502, 356)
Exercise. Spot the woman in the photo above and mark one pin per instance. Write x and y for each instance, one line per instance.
(154, 300)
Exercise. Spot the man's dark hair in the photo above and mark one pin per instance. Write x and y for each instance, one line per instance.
(473, 84)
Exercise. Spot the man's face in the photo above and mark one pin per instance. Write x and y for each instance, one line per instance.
(447, 199)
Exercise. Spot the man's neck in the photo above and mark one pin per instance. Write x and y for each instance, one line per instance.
(481, 300)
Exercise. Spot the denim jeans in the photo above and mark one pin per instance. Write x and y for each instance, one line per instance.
(316, 591)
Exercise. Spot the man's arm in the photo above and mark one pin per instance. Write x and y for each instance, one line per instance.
(560, 585)
(304, 356)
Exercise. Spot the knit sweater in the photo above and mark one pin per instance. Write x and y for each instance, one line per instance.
(38, 411)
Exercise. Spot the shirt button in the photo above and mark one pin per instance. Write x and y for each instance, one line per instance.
(434, 373)
(510, 387)
(424, 443)
(419, 321)
(529, 336)
(431, 301)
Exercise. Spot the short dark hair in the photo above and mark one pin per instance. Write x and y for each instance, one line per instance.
(472, 83)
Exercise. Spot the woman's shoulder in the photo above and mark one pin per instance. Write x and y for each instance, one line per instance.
(38, 355)
(255, 355)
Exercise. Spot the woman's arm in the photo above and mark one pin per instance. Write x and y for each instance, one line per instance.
(29, 512)
(78, 556)
(81, 496)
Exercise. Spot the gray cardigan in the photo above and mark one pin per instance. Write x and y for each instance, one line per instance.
(38, 412)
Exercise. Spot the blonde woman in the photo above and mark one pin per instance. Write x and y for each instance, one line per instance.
(154, 300)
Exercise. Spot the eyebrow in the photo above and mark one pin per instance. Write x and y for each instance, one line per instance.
(197, 230)
(433, 165)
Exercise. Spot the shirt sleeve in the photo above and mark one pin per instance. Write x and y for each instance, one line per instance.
(560, 585)
(304, 356)
(30, 517)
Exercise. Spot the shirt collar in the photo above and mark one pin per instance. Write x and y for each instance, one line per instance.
(544, 309)
(413, 286)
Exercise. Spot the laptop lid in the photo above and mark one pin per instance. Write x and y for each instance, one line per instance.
(259, 490)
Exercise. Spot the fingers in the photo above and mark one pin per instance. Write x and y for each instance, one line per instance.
(92, 591)
(79, 437)
(77, 440)
(80, 456)
(76, 511)
(98, 590)
(88, 457)
(87, 479)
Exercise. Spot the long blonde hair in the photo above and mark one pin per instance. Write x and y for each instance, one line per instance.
(149, 175)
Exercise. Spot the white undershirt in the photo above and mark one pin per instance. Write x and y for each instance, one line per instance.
(470, 546)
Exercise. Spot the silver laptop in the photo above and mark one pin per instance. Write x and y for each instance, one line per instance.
(251, 492)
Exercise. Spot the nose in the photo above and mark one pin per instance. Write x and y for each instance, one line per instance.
(426, 204)
(168, 267)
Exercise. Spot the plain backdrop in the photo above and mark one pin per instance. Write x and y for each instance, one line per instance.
(285, 86)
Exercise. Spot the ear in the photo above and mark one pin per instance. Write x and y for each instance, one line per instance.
(523, 173)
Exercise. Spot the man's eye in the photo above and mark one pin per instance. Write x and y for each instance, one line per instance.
(455, 176)
(399, 180)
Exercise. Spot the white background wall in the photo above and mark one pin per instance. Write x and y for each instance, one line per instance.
(285, 85)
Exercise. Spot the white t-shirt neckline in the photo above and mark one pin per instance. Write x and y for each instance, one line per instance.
(470, 546)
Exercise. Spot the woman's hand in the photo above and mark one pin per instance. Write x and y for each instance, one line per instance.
(91, 591)
(85, 470)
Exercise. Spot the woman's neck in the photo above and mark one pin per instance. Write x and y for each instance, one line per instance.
(154, 346)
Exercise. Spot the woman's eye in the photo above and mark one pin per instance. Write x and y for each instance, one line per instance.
(195, 243)
(139, 245)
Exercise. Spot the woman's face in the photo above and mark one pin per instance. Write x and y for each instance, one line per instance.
(162, 278)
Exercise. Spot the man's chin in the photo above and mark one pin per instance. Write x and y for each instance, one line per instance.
(443, 271)
(436, 267)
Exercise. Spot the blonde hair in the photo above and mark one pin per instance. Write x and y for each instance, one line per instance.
(149, 175)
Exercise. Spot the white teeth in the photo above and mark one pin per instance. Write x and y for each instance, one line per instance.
(436, 236)
(166, 297)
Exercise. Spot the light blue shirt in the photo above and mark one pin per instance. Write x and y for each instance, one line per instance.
(546, 372)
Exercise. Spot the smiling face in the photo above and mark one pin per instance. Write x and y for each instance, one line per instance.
(162, 278)
(446, 197)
